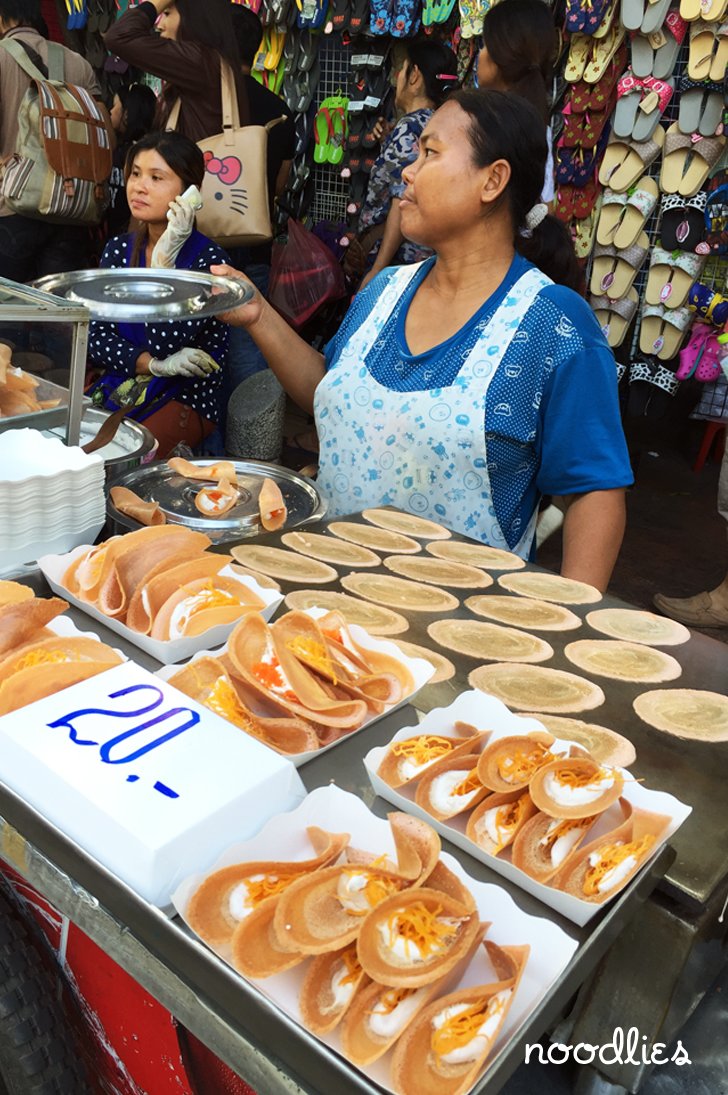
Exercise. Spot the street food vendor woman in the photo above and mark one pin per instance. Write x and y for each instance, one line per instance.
(465, 387)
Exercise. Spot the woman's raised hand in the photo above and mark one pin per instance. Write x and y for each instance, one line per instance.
(246, 315)
(180, 222)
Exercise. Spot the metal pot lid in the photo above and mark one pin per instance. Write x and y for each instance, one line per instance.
(176, 497)
(143, 295)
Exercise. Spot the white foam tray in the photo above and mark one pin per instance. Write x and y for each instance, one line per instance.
(487, 713)
(284, 838)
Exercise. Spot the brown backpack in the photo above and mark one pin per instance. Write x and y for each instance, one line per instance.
(61, 165)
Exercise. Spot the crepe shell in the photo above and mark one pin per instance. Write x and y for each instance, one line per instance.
(534, 688)
(476, 555)
(254, 947)
(451, 787)
(636, 626)
(623, 661)
(602, 744)
(399, 593)
(685, 712)
(329, 549)
(406, 523)
(477, 639)
(414, 938)
(377, 539)
(575, 788)
(408, 758)
(494, 825)
(439, 572)
(329, 988)
(417, 1066)
(545, 845)
(289, 566)
(374, 618)
(550, 587)
(509, 763)
(525, 612)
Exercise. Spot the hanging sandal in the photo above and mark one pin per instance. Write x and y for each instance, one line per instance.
(663, 330)
(682, 222)
(671, 277)
(615, 316)
(626, 161)
(613, 271)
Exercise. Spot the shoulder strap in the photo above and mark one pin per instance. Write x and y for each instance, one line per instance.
(173, 117)
(55, 62)
(274, 122)
(229, 101)
(18, 54)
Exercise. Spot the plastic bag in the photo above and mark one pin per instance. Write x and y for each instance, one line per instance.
(304, 276)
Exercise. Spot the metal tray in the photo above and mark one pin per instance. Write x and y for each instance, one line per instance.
(176, 497)
(45, 419)
(146, 295)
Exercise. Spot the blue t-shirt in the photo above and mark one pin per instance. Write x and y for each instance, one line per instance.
(551, 416)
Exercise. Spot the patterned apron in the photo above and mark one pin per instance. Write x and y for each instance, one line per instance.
(423, 451)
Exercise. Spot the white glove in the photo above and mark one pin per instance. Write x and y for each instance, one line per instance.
(181, 220)
(185, 362)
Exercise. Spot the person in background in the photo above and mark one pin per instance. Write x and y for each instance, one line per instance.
(519, 48)
(171, 373)
(193, 39)
(453, 386)
(245, 357)
(132, 116)
(427, 76)
(31, 248)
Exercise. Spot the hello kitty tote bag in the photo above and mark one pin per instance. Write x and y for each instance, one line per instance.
(235, 210)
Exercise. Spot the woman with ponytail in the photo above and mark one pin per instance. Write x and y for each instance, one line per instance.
(464, 387)
(427, 76)
(519, 48)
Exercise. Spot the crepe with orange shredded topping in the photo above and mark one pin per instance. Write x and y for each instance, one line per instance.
(495, 823)
(406, 759)
(378, 1015)
(229, 895)
(330, 986)
(451, 786)
(604, 866)
(544, 845)
(165, 580)
(509, 763)
(197, 606)
(576, 787)
(42, 668)
(445, 1048)
(414, 938)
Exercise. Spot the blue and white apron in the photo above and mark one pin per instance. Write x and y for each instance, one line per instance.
(423, 451)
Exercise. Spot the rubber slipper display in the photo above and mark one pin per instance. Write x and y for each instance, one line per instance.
(716, 215)
(615, 316)
(614, 271)
(624, 215)
(626, 161)
(641, 103)
(584, 231)
(663, 330)
(648, 60)
(646, 16)
(687, 162)
(701, 358)
(707, 303)
(671, 276)
(701, 107)
(682, 222)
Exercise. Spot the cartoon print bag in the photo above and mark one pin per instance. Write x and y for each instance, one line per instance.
(236, 209)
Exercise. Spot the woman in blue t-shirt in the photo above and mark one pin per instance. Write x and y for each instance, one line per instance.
(465, 387)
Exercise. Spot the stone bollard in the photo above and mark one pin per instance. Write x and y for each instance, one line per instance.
(255, 418)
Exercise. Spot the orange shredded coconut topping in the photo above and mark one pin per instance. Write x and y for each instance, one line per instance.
(518, 767)
(210, 597)
(375, 890)
(425, 748)
(570, 778)
(507, 818)
(460, 1029)
(269, 886)
(351, 962)
(610, 857)
(314, 654)
(562, 828)
(389, 1001)
(420, 926)
(41, 657)
(470, 783)
(223, 700)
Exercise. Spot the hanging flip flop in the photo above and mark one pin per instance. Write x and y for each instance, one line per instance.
(322, 130)
(337, 136)
(405, 18)
(701, 106)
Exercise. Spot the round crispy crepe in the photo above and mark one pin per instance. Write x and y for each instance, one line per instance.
(508, 764)
(545, 845)
(129, 503)
(166, 579)
(636, 626)
(426, 750)
(444, 669)
(638, 835)
(523, 612)
(271, 506)
(375, 619)
(379, 961)
(603, 745)
(533, 688)
(482, 640)
(407, 524)
(319, 1009)
(512, 811)
(21, 620)
(46, 653)
(262, 579)
(272, 671)
(289, 566)
(623, 661)
(437, 571)
(399, 593)
(137, 554)
(375, 538)
(476, 555)
(86, 574)
(206, 681)
(685, 712)
(443, 779)
(202, 605)
(585, 770)
(13, 592)
(28, 685)
(330, 550)
(550, 587)
(392, 1010)
(416, 1067)
(223, 469)
(208, 911)
(254, 947)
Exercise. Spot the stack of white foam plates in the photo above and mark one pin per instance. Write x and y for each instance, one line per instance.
(51, 497)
